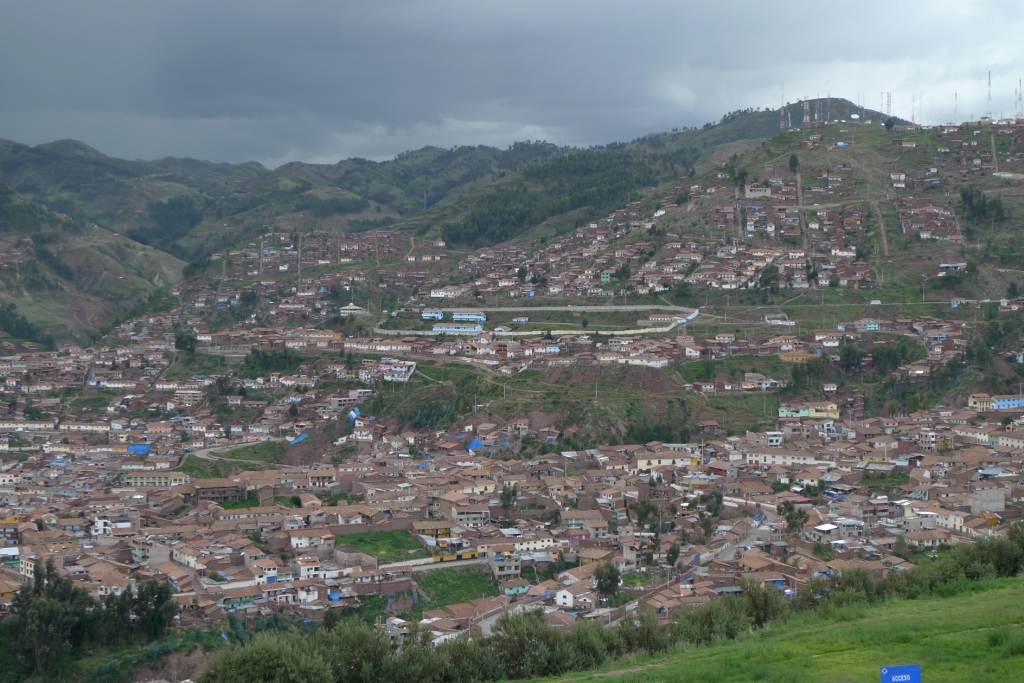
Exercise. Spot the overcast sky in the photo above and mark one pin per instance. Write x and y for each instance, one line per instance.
(321, 81)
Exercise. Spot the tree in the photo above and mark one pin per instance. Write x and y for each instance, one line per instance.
(764, 603)
(185, 341)
(849, 357)
(1012, 290)
(49, 619)
(769, 276)
(890, 123)
(706, 526)
(606, 578)
(155, 607)
(332, 618)
(293, 409)
(795, 517)
(643, 511)
(276, 658)
(508, 498)
(586, 323)
(900, 548)
(794, 163)
(522, 273)
(672, 555)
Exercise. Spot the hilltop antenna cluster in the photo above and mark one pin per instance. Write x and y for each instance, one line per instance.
(888, 104)
(807, 112)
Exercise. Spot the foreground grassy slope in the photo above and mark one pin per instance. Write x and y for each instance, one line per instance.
(975, 637)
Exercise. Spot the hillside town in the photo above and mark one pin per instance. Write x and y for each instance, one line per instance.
(93, 480)
(241, 444)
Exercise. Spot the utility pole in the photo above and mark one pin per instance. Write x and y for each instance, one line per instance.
(261, 257)
(300, 261)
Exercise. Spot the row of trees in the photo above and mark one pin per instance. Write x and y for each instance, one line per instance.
(52, 621)
(523, 646)
(977, 207)
(18, 326)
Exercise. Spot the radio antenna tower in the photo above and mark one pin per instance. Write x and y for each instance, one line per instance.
(807, 112)
(955, 120)
(990, 94)
(782, 109)
(888, 104)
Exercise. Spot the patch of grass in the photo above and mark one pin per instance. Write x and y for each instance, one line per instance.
(335, 498)
(443, 587)
(199, 468)
(90, 402)
(266, 451)
(386, 546)
(973, 638)
(186, 365)
(239, 504)
(634, 579)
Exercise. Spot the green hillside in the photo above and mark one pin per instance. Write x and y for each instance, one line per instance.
(976, 638)
(134, 223)
(68, 279)
(189, 208)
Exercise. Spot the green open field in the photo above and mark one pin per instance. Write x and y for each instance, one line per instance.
(450, 586)
(975, 638)
(386, 546)
(266, 451)
(212, 469)
(186, 365)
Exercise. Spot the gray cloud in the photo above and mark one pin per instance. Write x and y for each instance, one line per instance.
(319, 81)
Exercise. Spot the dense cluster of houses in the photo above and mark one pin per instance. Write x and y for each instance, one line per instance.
(948, 476)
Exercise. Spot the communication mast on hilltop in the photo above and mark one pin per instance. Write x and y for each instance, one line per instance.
(782, 109)
(807, 112)
(990, 94)
(888, 104)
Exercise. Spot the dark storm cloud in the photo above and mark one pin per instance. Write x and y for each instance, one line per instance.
(321, 81)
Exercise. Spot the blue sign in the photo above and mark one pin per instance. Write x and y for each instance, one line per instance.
(910, 673)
